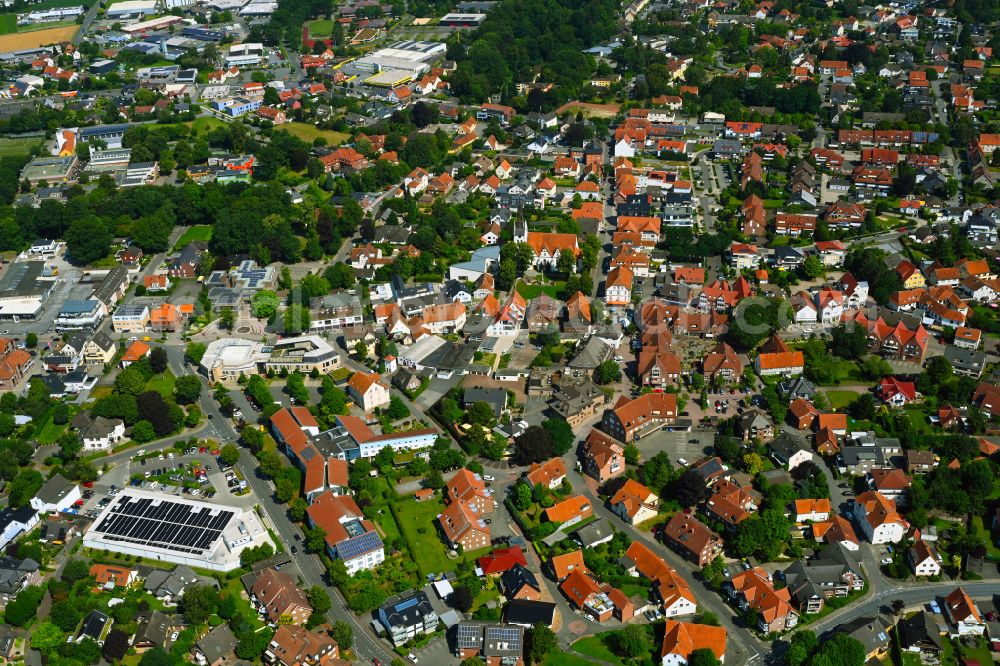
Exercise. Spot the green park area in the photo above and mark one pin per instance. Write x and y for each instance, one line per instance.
(310, 133)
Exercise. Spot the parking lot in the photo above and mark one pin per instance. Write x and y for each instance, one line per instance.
(149, 472)
(679, 445)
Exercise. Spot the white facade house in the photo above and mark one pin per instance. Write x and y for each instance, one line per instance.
(680, 606)
(58, 494)
(15, 522)
(102, 433)
(830, 305)
(878, 519)
(923, 559)
(964, 617)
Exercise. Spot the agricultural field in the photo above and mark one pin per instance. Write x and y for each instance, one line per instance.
(308, 133)
(36, 38)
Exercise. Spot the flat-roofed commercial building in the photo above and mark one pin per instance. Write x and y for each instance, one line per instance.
(130, 319)
(50, 170)
(23, 290)
(168, 528)
(77, 314)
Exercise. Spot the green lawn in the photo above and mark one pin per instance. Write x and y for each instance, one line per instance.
(385, 521)
(918, 421)
(594, 646)
(235, 588)
(530, 291)
(320, 28)
(50, 432)
(565, 659)
(13, 147)
(163, 383)
(980, 654)
(205, 124)
(199, 232)
(840, 399)
(309, 133)
(418, 524)
(8, 24)
(992, 552)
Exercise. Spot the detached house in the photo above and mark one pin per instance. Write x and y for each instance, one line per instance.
(878, 518)
(692, 539)
(549, 474)
(680, 639)
(603, 457)
(963, 615)
(786, 364)
(368, 391)
(923, 559)
(296, 646)
(753, 590)
(281, 598)
(634, 503)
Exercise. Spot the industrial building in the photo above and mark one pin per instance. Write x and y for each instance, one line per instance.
(244, 55)
(399, 63)
(23, 290)
(79, 314)
(131, 9)
(462, 20)
(168, 528)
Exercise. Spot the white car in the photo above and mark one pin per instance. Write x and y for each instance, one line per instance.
(682, 461)
(171, 455)
(886, 560)
(412, 657)
(487, 477)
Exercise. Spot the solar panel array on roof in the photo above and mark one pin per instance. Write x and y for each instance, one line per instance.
(502, 640)
(469, 636)
(409, 603)
(183, 528)
(359, 545)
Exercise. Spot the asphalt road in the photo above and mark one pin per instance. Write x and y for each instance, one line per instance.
(366, 645)
(914, 596)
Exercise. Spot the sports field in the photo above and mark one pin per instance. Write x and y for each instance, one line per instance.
(36, 38)
(320, 28)
(13, 147)
(8, 24)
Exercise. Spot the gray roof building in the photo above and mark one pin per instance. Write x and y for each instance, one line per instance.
(594, 534)
(15, 574)
(495, 398)
(216, 644)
